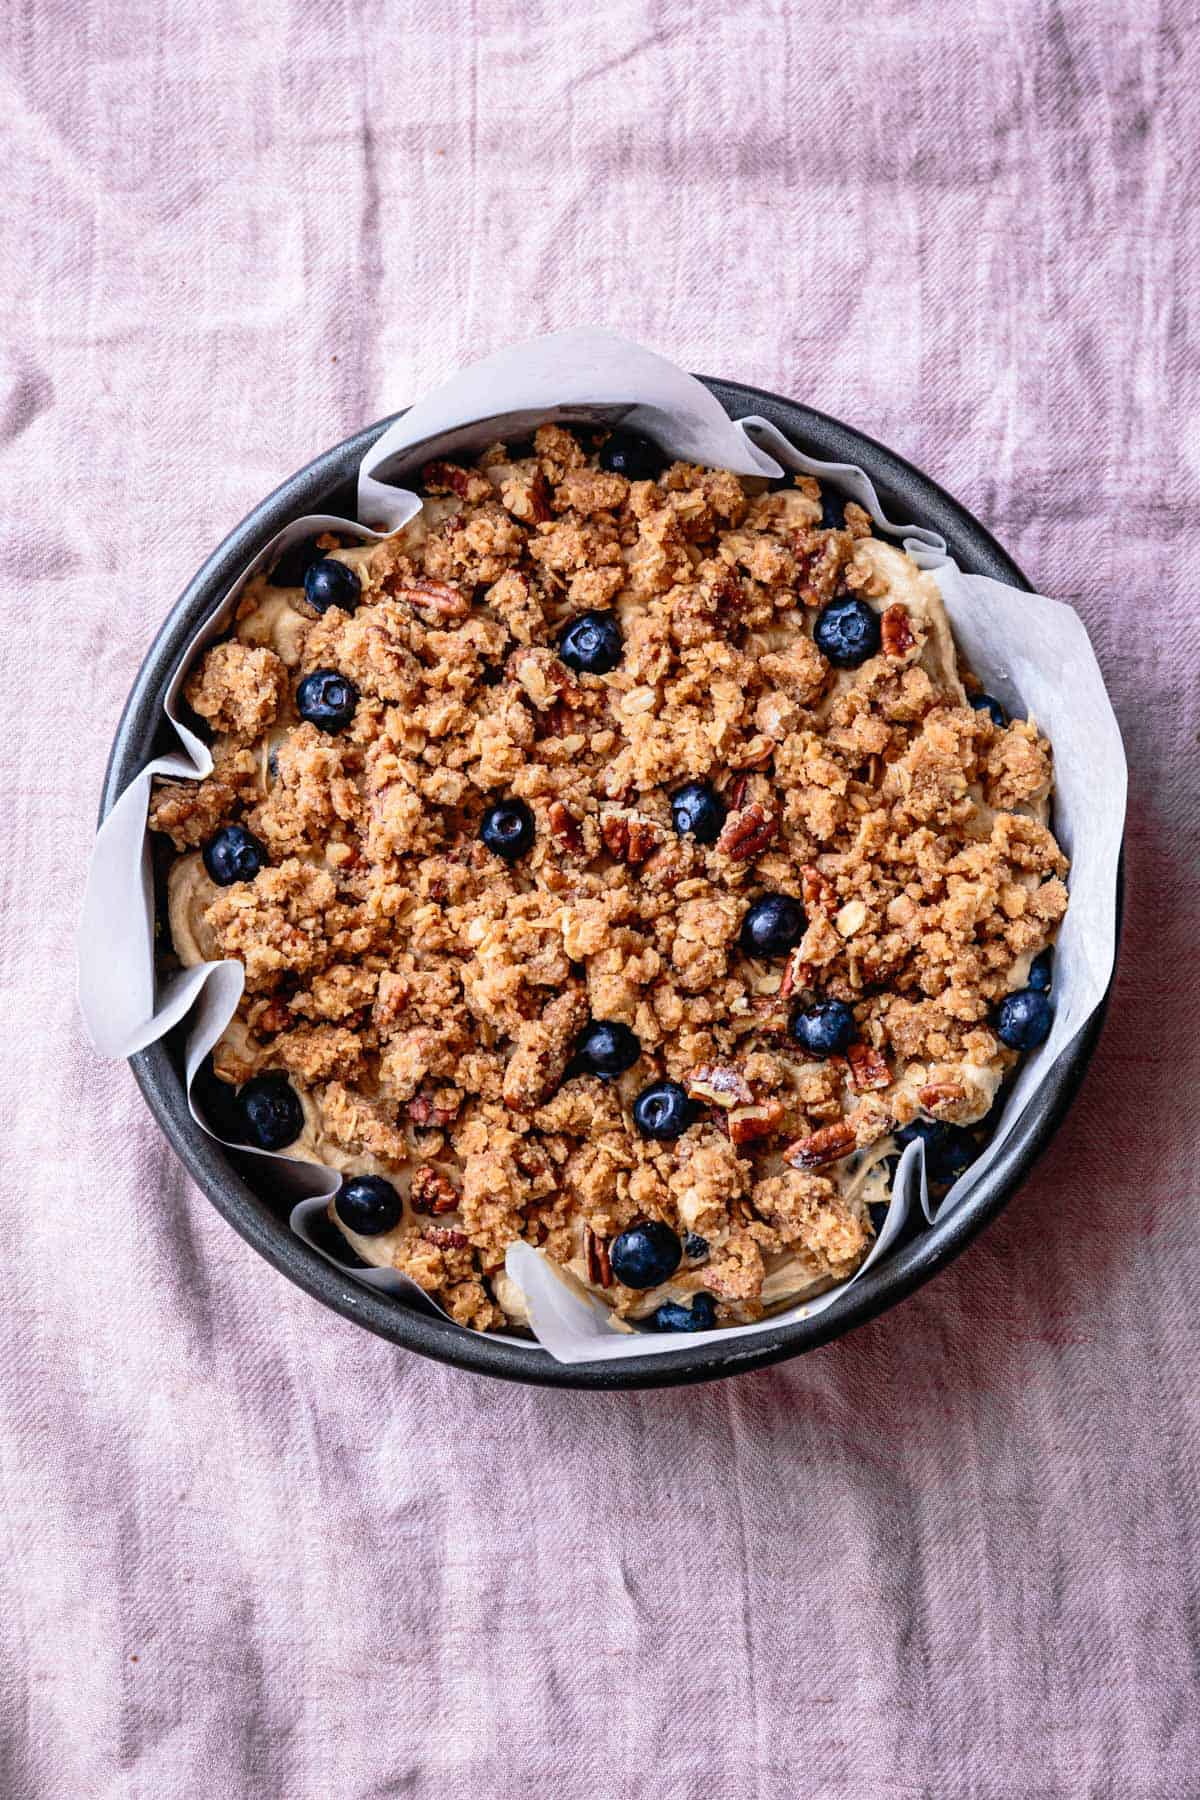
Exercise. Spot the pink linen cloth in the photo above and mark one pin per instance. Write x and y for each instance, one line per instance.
(253, 1551)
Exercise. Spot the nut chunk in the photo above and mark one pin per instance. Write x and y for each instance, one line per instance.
(543, 1047)
(237, 689)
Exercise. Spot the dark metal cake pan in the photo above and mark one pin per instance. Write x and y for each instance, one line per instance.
(239, 1188)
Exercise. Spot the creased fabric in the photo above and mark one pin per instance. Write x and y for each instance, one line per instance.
(252, 1551)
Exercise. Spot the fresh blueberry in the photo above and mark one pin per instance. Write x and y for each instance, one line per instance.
(645, 1255)
(368, 1205)
(1023, 1019)
(662, 1111)
(295, 563)
(698, 811)
(327, 700)
(773, 926)
(606, 1048)
(993, 709)
(507, 829)
(271, 1108)
(591, 644)
(630, 454)
(695, 1247)
(1041, 972)
(328, 583)
(218, 1102)
(700, 1316)
(833, 510)
(234, 854)
(948, 1148)
(847, 632)
(824, 1029)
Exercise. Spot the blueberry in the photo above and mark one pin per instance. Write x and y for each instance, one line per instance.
(328, 583)
(295, 563)
(591, 644)
(1041, 972)
(645, 1255)
(368, 1205)
(833, 510)
(824, 1029)
(948, 1148)
(993, 709)
(234, 854)
(1023, 1019)
(698, 811)
(847, 632)
(700, 1316)
(607, 1049)
(695, 1247)
(773, 926)
(507, 829)
(218, 1102)
(630, 454)
(327, 700)
(271, 1108)
(662, 1111)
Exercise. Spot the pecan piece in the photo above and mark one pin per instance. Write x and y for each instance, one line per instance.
(737, 793)
(827, 1145)
(595, 1250)
(446, 1237)
(452, 478)
(432, 1191)
(629, 840)
(746, 834)
(432, 601)
(942, 1099)
(543, 679)
(718, 1085)
(747, 1123)
(565, 826)
(868, 1067)
(816, 890)
(427, 1111)
(896, 632)
(275, 1016)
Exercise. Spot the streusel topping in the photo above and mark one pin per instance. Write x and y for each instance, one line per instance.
(585, 786)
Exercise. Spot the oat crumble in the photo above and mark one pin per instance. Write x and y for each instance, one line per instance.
(427, 999)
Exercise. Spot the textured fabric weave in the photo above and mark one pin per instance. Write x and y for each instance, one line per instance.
(252, 1551)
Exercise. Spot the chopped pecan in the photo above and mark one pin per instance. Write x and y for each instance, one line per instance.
(868, 1067)
(747, 1123)
(943, 1099)
(595, 1249)
(451, 478)
(427, 1111)
(542, 677)
(432, 1191)
(757, 759)
(827, 1145)
(629, 839)
(432, 601)
(719, 1085)
(275, 1016)
(896, 632)
(446, 1237)
(565, 826)
(737, 793)
(817, 891)
(746, 834)
(557, 721)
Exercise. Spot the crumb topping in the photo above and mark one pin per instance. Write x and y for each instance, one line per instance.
(426, 997)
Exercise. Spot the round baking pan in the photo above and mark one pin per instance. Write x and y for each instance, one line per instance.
(238, 1187)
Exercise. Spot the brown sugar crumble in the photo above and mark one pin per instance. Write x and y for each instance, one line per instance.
(430, 1003)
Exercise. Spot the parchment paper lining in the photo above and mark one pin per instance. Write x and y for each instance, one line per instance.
(1032, 653)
